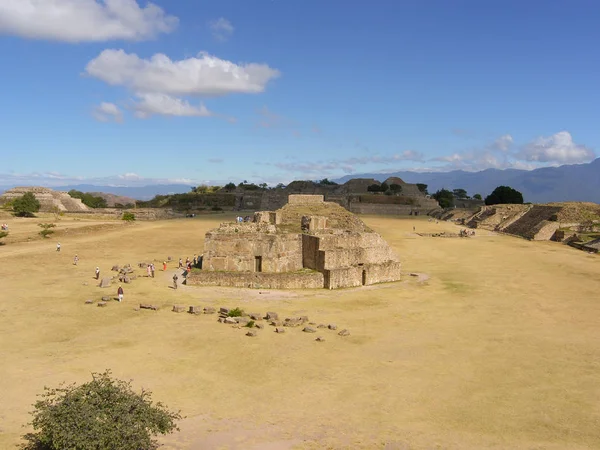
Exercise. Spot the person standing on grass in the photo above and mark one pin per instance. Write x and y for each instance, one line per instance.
(97, 272)
(180, 263)
(58, 246)
(152, 270)
(164, 266)
(75, 260)
(175, 278)
(120, 293)
(149, 270)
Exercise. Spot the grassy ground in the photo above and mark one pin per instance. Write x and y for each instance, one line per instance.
(500, 348)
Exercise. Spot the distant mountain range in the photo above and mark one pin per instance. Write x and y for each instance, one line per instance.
(136, 192)
(578, 182)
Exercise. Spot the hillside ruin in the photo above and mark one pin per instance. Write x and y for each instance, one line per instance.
(308, 243)
(50, 200)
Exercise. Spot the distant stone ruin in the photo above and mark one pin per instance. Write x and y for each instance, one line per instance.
(50, 200)
(308, 243)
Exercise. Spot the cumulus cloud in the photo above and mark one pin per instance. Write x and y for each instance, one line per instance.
(558, 148)
(151, 104)
(106, 112)
(221, 29)
(161, 84)
(204, 75)
(84, 20)
(503, 143)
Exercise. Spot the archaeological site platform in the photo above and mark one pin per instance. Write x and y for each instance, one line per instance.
(308, 243)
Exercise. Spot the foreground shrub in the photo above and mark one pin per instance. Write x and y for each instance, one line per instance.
(46, 229)
(26, 205)
(128, 216)
(102, 414)
(236, 312)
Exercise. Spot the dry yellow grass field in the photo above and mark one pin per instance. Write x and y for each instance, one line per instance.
(500, 348)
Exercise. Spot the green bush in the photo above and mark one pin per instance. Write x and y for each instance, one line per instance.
(102, 414)
(128, 216)
(504, 195)
(236, 312)
(46, 229)
(250, 324)
(88, 199)
(26, 205)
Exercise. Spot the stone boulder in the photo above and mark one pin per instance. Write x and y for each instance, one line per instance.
(272, 316)
(147, 306)
(332, 326)
(178, 308)
(309, 330)
(195, 310)
(102, 304)
(344, 332)
(255, 316)
(89, 301)
(251, 333)
(209, 310)
(279, 330)
(105, 282)
(230, 320)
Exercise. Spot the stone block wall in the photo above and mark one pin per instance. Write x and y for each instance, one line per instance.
(310, 280)
(301, 199)
(382, 273)
(344, 277)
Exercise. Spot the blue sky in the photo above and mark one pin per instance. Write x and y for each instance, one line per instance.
(125, 92)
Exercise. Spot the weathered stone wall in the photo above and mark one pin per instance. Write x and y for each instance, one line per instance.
(394, 210)
(344, 277)
(309, 280)
(238, 251)
(544, 230)
(381, 273)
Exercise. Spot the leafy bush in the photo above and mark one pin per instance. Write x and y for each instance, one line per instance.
(250, 324)
(423, 188)
(128, 216)
(444, 197)
(102, 414)
(26, 205)
(88, 199)
(236, 312)
(477, 196)
(46, 229)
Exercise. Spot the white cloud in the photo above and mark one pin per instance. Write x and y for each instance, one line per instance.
(106, 112)
(203, 75)
(221, 29)
(558, 148)
(503, 143)
(162, 104)
(84, 20)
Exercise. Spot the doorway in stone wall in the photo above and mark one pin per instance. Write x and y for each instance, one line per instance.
(258, 263)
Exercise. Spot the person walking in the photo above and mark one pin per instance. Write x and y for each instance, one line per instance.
(97, 272)
(149, 270)
(58, 246)
(75, 260)
(164, 266)
(180, 263)
(120, 293)
(175, 278)
(152, 270)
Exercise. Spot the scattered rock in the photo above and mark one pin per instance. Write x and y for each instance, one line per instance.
(242, 320)
(195, 310)
(303, 319)
(224, 311)
(312, 323)
(275, 323)
(220, 320)
(255, 316)
(321, 325)
(89, 301)
(102, 304)
(126, 280)
(309, 330)
(279, 330)
(320, 339)
(412, 274)
(251, 333)
(169, 258)
(344, 332)
(260, 326)
(292, 322)
(209, 310)
(332, 326)
(230, 320)
(178, 308)
(105, 282)
(272, 316)
(115, 268)
(146, 306)
(105, 298)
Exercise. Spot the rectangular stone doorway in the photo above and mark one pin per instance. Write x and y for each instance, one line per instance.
(258, 263)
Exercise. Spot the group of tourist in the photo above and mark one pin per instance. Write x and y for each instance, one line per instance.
(150, 270)
(466, 233)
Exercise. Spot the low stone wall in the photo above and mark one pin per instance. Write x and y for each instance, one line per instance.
(301, 199)
(385, 210)
(257, 280)
(382, 273)
(345, 277)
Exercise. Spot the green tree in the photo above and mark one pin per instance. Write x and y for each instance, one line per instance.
(88, 199)
(326, 182)
(384, 187)
(128, 216)
(26, 205)
(477, 196)
(374, 188)
(423, 188)
(46, 229)
(395, 188)
(460, 193)
(444, 197)
(504, 195)
(229, 187)
(102, 414)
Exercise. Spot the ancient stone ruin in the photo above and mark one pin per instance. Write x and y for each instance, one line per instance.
(308, 243)
(50, 200)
